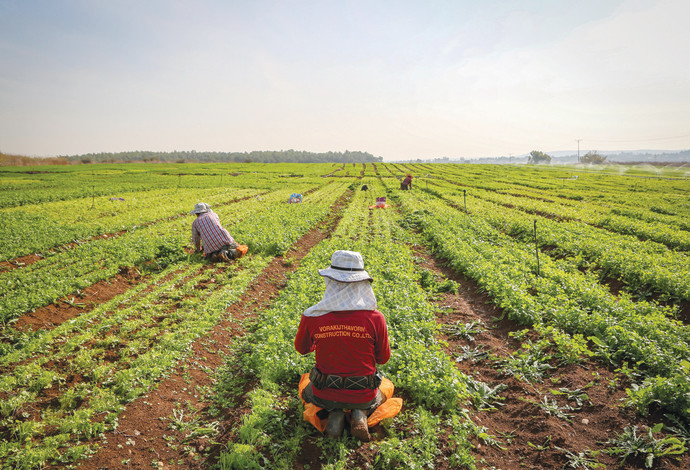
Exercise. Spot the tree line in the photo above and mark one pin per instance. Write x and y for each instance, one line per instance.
(259, 156)
(536, 157)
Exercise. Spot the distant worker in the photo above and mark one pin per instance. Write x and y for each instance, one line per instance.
(406, 183)
(295, 198)
(349, 336)
(380, 203)
(217, 242)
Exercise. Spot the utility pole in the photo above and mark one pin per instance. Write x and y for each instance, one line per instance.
(578, 150)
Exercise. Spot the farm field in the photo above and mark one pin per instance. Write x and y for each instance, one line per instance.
(538, 316)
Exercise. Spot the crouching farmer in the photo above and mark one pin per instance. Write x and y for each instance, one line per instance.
(406, 184)
(349, 337)
(217, 242)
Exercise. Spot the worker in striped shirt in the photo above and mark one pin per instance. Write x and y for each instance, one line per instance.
(217, 242)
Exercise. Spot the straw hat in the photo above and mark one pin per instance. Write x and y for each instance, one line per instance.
(200, 208)
(346, 266)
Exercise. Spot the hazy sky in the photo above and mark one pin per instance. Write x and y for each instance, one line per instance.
(398, 79)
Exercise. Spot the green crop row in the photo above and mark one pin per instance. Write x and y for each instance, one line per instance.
(61, 273)
(119, 356)
(261, 223)
(418, 365)
(38, 227)
(21, 186)
(655, 200)
(628, 202)
(123, 347)
(644, 266)
(668, 234)
(640, 334)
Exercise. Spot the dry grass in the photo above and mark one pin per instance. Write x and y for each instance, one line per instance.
(19, 160)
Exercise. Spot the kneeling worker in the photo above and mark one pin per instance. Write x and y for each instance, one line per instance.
(406, 184)
(217, 242)
(350, 337)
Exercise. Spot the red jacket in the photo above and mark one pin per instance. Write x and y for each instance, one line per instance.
(348, 343)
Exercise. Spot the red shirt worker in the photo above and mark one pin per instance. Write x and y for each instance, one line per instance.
(406, 183)
(349, 337)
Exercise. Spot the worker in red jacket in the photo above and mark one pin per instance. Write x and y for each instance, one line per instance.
(349, 337)
(406, 183)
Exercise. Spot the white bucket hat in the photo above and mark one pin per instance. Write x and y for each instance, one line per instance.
(200, 208)
(346, 266)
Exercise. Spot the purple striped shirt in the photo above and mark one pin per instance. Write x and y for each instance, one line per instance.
(213, 235)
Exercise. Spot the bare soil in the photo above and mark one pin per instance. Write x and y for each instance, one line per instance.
(50, 316)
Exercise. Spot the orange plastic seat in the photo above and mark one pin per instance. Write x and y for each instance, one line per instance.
(390, 408)
(242, 250)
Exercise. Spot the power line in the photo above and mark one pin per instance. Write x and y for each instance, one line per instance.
(637, 140)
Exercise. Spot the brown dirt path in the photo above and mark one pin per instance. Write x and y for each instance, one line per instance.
(71, 306)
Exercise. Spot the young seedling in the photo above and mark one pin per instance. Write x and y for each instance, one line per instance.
(464, 330)
(525, 366)
(474, 354)
(678, 428)
(578, 395)
(551, 407)
(541, 447)
(630, 444)
(484, 396)
(585, 459)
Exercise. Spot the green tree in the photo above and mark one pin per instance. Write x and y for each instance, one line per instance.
(536, 157)
(593, 158)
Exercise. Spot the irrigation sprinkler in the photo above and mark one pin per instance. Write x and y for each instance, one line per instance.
(464, 199)
(536, 245)
(179, 180)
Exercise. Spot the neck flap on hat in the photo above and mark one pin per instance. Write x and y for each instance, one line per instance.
(341, 296)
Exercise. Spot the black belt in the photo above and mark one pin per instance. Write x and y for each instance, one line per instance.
(360, 382)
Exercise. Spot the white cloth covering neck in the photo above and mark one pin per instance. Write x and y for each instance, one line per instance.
(341, 296)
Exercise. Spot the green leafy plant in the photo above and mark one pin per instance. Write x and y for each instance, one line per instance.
(464, 330)
(430, 282)
(241, 457)
(578, 395)
(585, 459)
(644, 445)
(678, 428)
(545, 445)
(475, 354)
(484, 396)
(551, 407)
(525, 366)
